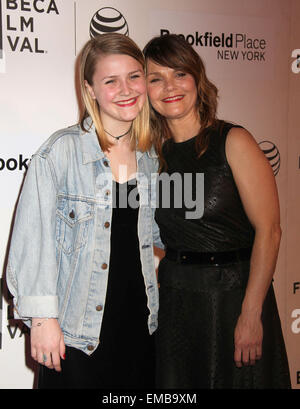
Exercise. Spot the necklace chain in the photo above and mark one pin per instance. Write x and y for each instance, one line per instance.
(120, 136)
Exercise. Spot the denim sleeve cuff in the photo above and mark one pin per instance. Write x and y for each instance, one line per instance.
(37, 306)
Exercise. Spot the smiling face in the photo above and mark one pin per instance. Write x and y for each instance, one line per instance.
(119, 87)
(172, 93)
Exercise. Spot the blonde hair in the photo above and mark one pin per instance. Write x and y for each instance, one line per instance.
(103, 45)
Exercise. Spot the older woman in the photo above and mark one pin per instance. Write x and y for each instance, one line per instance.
(81, 265)
(218, 321)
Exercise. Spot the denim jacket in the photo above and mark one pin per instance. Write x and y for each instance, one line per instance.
(60, 249)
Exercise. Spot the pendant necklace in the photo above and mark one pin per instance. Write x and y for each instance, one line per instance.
(120, 136)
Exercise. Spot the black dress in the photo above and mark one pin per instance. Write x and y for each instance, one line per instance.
(200, 303)
(125, 356)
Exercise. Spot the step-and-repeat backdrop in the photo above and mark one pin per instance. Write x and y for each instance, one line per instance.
(252, 53)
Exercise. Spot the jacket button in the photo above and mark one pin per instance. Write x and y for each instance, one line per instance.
(107, 193)
(99, 308)
(104, 266)
(90, 347)
(72, 214)
(105, 163)
(106, 225)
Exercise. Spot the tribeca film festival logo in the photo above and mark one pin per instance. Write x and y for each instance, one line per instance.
(296, 313)
(295, 325)
(21, 28)
(296, 63)
(230, 46)
(272, 154)
(108, 20)
(15, 329)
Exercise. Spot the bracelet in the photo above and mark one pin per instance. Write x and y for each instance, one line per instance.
(40, 323)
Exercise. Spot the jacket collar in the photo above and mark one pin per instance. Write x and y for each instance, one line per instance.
(90, 147)
(151, 154)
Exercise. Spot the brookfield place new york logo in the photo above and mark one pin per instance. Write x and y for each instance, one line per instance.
(108, 20)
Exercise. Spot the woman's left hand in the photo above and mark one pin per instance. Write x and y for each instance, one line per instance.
(248, 337)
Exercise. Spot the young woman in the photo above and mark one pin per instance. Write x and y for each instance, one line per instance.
(218, 323)
(81, 266)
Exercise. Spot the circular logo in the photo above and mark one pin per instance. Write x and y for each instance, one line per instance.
(108, 20)
(272, 154)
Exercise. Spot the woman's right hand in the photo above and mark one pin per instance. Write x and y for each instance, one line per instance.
(47, 342)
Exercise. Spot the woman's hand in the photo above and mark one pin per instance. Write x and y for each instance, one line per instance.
(47, 342)
(248, 337)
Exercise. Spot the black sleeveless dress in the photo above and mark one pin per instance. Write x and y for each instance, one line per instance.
(125, 358)
(200, 303)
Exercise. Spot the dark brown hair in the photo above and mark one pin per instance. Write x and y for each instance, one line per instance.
(173, 51)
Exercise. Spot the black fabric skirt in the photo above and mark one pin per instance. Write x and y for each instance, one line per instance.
(125, 357)
(199, 308)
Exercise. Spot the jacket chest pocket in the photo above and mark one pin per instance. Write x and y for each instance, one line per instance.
(73, 218)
